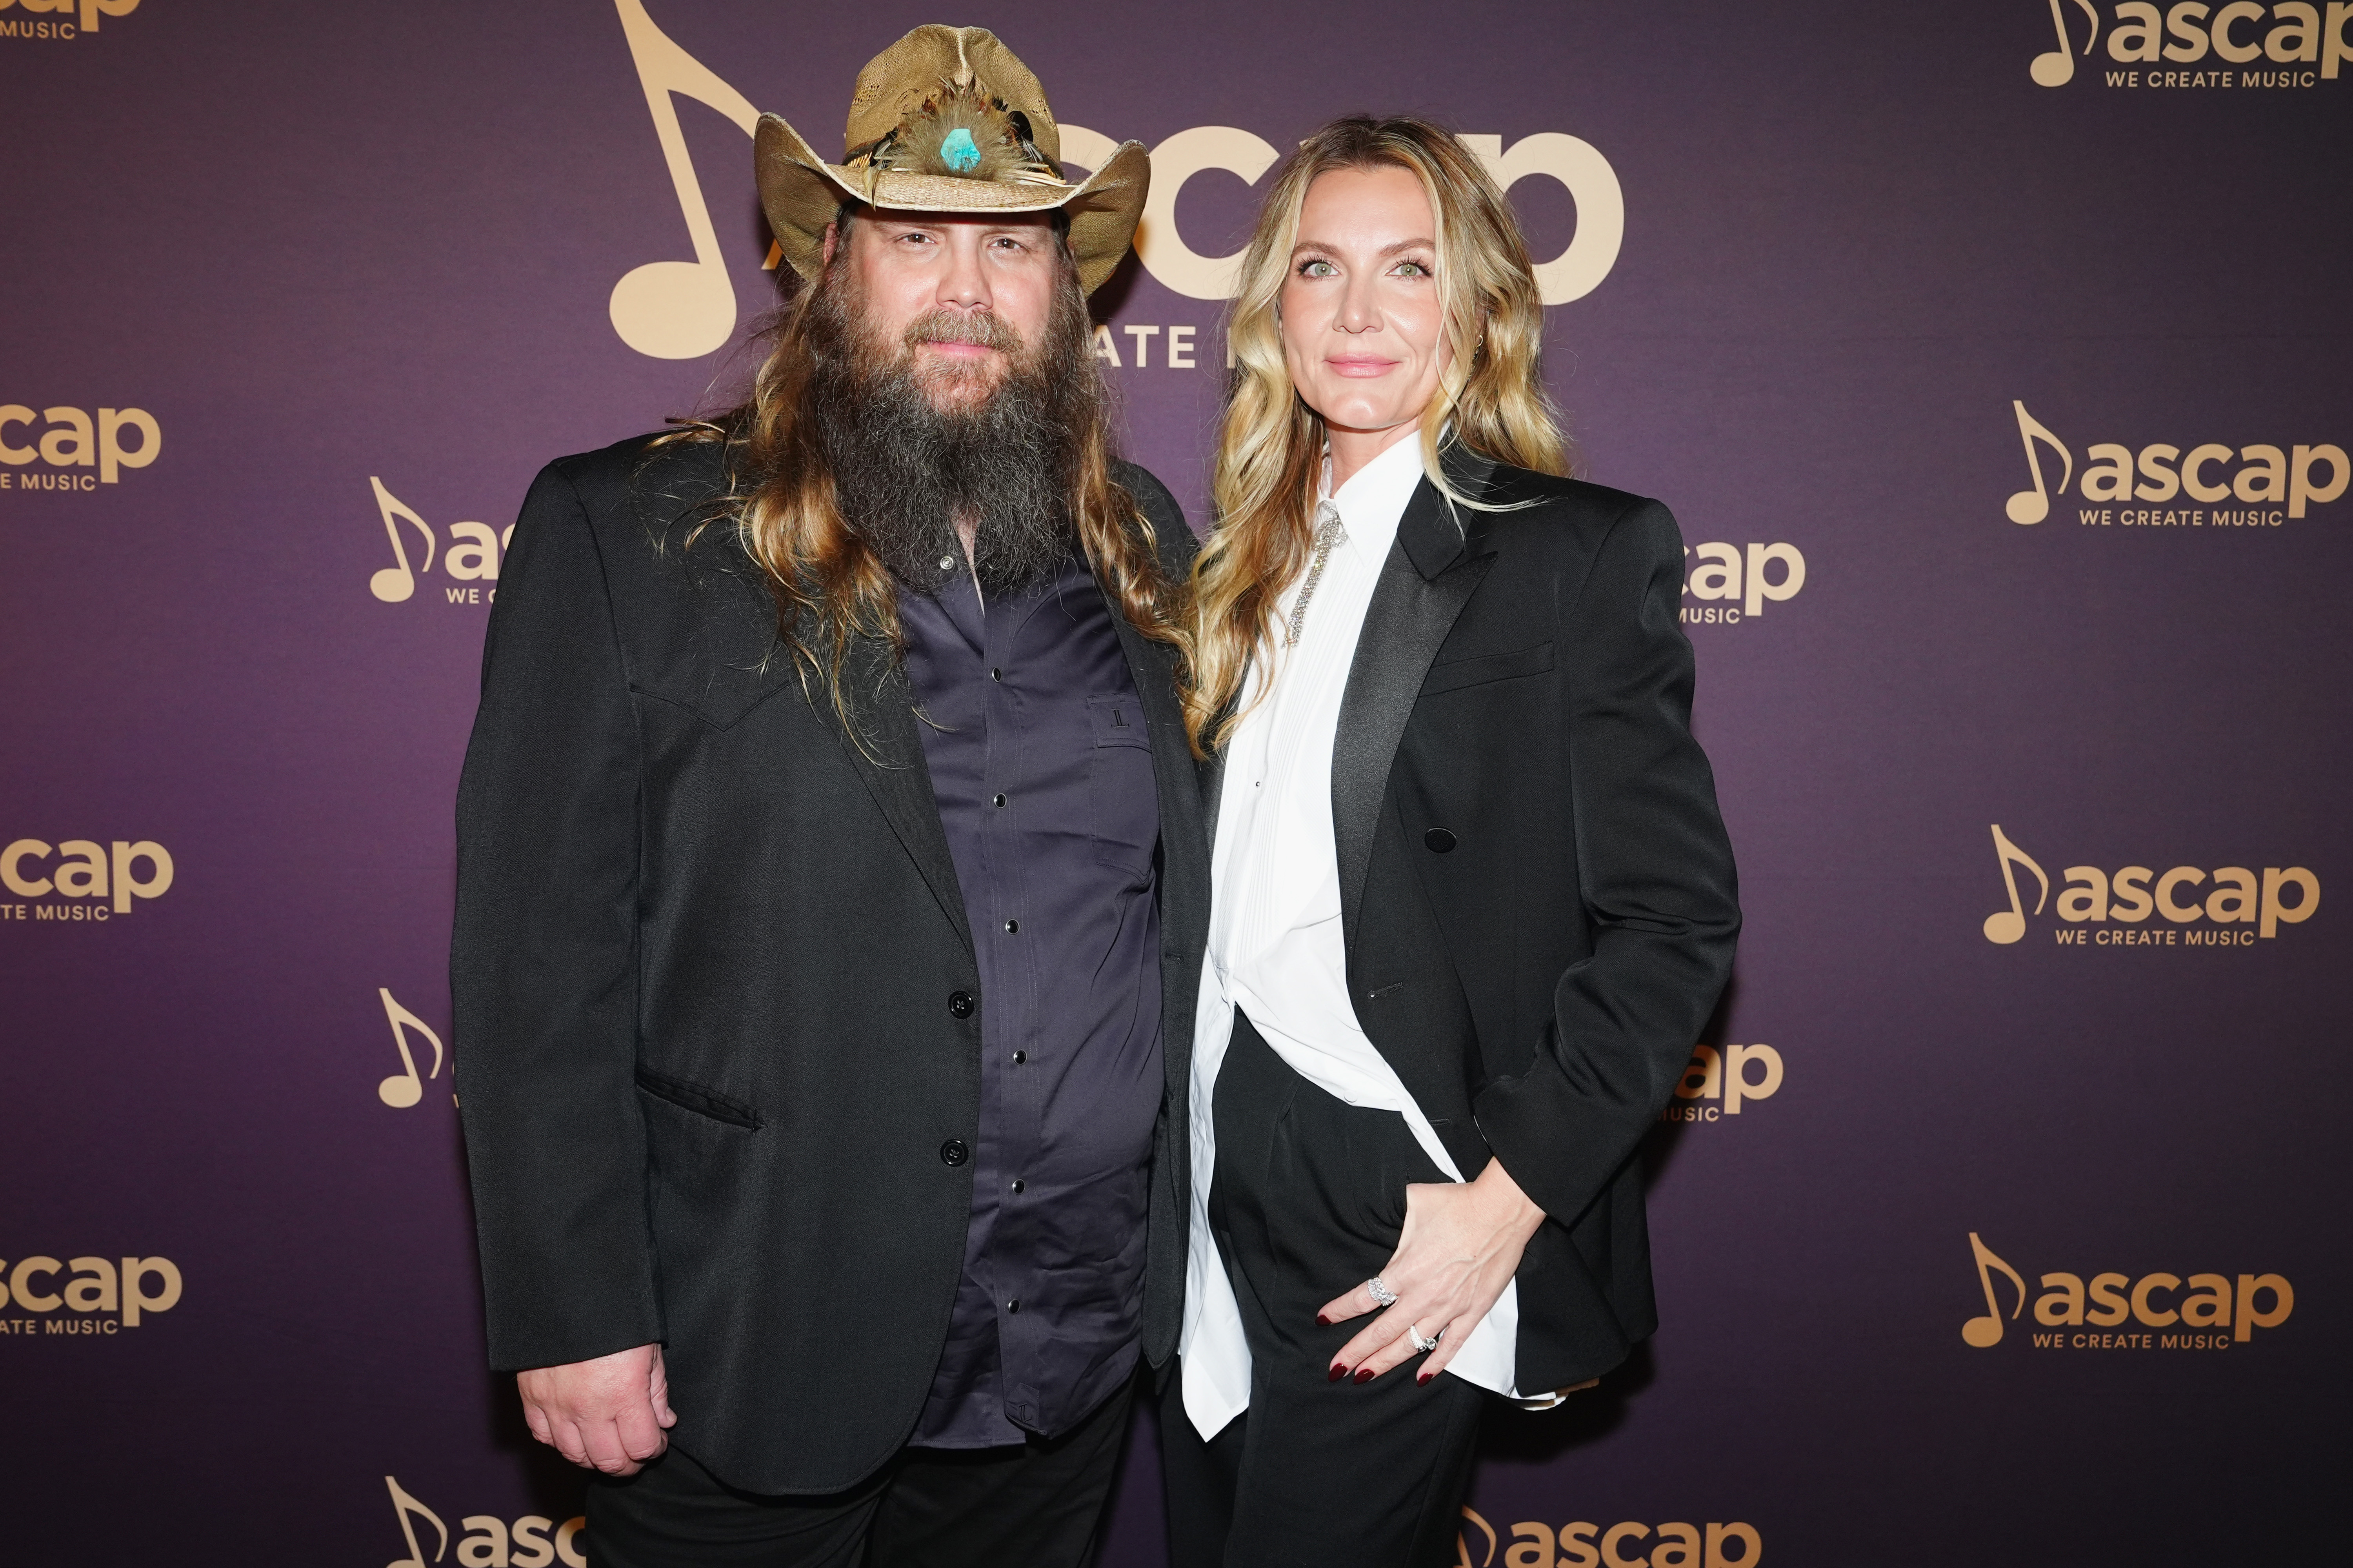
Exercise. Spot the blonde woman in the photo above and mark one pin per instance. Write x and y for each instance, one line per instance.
(1471, 899)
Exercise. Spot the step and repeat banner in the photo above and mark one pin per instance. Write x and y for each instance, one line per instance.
(1993, 357)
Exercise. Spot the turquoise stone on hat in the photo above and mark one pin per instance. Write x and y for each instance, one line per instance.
(957, 150)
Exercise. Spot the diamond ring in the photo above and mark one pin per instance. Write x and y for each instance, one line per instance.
(1425, 1345)
(1381, 1291)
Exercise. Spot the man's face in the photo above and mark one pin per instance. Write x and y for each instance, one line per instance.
(968, 294)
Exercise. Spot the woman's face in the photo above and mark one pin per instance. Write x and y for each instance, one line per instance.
(1362, 330)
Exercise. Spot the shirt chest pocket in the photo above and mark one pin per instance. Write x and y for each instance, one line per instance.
(1123, 803)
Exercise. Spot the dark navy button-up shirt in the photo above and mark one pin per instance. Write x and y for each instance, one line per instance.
(1036, 745)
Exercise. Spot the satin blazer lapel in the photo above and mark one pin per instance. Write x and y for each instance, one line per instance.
(1430, 574)
(892, 766)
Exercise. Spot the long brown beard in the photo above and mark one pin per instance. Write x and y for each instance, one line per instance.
(904, 469)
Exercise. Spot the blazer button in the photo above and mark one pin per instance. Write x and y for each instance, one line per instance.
(1438, 840)
(960, 1004)
(954, 1153)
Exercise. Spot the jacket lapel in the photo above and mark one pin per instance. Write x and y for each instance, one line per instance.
(1430, 574)
(892, 766)
(1211, 777)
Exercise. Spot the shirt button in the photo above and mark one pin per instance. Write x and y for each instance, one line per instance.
(960, 1004)
(1019, 1185)
(996, 799)
(996, 675)
(955, 1152)
(1014, 1305)
(1020, 1057)
(1011, 927)
(1438, 840)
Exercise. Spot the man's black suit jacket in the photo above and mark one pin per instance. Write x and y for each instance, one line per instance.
(718, 1018)
(1536, 889)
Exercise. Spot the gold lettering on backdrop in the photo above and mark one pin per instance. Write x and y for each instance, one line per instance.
(405, 1088)
(2057, 69)
(2006, 926)
(403, 1505)
(1986, 1331)
(1177, 160)
(394, 583)
(2034, 505)
(1592, 185)
(678, 310)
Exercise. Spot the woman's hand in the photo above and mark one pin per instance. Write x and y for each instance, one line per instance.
(1460, 1246)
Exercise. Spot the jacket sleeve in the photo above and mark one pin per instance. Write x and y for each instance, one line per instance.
(542, 962)
(1657, 881)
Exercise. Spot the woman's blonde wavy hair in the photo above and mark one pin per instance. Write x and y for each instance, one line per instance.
(1490, 400)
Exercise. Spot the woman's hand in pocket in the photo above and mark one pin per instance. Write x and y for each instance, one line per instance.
(1460, 1246)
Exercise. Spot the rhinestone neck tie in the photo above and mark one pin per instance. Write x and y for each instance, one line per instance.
(1328, 532)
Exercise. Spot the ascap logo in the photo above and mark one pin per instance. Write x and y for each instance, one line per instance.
(2200, 1312)
(2230, 898)
(1724, 1077)
(1583, 1545)
(72, 439)
(128, 1288)
(405, 1088)
(91, 14)
(1739, 588)
(82, 870)
(533, 1541)
(2266, 476)
(472, 558)
(2230, 45)
(684, 309)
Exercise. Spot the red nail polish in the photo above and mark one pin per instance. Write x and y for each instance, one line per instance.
(1364, 1374)
(1323, 1320)
(1339, 1372)
(1425, 1377)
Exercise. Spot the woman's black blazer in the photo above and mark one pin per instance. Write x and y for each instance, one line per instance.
(1537, 892)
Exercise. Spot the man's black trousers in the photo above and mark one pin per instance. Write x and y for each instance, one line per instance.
(1037, 1506)
(1308, 1201)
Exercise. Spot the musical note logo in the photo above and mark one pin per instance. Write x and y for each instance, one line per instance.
(1463, 1542)
(2034, 505)
(403, 1505)
(2006, 926)
(2057, 67)
(1985, 1332)
(394, 583)
(678, 310)
(405, 1088)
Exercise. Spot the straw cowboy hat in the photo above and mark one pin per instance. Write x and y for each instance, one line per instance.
(948, 120)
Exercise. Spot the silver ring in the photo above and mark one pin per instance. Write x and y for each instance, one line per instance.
(1413, 1332)
(1381, 1291)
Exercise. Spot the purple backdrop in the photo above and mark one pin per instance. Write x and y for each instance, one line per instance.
(286, 283)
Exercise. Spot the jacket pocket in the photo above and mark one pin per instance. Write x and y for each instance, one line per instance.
(1478, 672)
(695, 1098)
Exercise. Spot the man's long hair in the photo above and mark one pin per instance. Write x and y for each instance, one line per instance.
(831, 586)
(1270, 446)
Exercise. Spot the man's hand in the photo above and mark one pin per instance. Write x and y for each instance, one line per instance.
(607, 1415)
(1460, 1246)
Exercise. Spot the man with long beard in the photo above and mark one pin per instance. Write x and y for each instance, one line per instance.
(831, 888)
